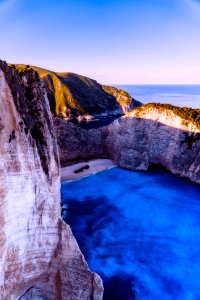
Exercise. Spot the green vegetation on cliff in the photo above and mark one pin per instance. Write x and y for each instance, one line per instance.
(75, 95)
(187, 113)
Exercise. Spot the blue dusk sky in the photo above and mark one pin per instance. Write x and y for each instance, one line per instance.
(112, 41)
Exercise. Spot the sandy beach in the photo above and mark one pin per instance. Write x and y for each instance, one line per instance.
(82, 169)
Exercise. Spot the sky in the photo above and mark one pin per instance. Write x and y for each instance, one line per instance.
(112, 41)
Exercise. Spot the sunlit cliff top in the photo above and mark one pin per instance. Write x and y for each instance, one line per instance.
(187, 113)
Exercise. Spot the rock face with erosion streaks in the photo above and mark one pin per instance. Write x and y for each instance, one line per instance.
(77, 143)
(157, 134)
(151, 134)
(39, 256)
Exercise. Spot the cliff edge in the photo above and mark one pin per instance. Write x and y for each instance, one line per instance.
(39, 256)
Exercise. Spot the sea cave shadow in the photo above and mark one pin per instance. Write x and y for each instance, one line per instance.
(181, 182)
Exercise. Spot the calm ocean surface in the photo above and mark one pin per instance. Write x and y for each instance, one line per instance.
(140, 231)
(180, 95)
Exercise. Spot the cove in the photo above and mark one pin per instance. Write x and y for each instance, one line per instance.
(140, 231)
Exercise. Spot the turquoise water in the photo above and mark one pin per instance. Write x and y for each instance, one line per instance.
(139, 231)
(180, 95)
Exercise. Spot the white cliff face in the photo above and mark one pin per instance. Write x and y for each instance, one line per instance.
(39, 256)
(156, 136)
(164, 116)
(143, 137)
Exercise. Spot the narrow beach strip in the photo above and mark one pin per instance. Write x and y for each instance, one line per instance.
(82, 169)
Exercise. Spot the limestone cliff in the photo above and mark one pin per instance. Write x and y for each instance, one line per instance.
(76, 142)
(151, 134)
(72, 95)
(156, 135)
(39, 257)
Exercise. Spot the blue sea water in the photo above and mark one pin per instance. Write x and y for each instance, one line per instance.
(180, 95)
(140, 231)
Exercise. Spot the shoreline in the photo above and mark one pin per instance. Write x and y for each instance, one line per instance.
(82, 169)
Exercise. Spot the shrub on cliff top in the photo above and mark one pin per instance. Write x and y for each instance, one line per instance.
(187, 113)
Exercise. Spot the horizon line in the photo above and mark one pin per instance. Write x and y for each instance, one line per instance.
(125, 84)
(110, 84)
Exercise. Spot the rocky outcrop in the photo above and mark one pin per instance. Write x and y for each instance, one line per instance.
(74, 96)
(156, 135)
(151, 134)
(76, 142)
(39, 257)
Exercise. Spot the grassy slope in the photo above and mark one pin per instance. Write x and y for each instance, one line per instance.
(70, 93)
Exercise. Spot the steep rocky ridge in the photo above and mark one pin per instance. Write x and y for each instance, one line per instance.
(151, 134)
(77, 143)
(39, 256)
(72, 95)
